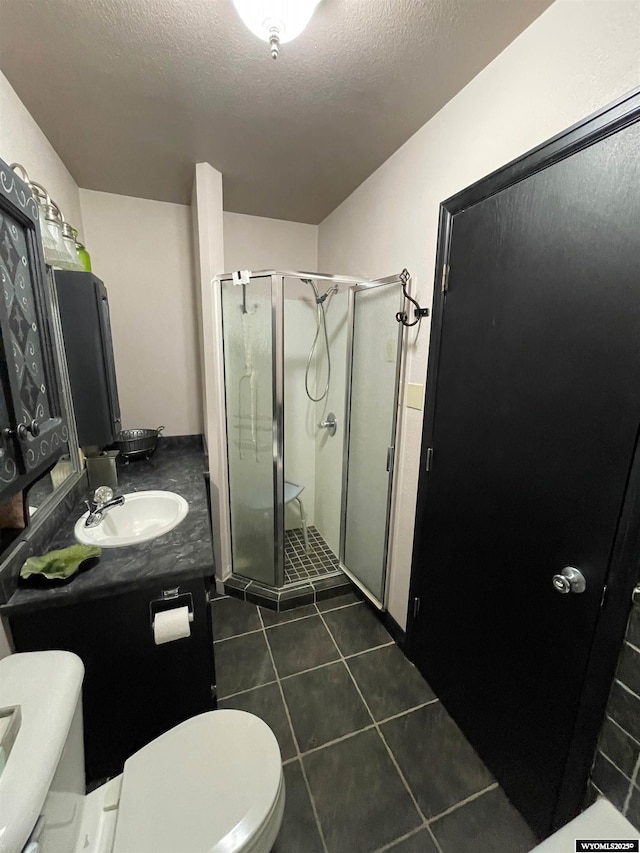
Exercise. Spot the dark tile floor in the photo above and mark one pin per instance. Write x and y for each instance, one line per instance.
(301, 565)
(372, 761)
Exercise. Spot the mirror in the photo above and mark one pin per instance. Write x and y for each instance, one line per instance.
(39, 492)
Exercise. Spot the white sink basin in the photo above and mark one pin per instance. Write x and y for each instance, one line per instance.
(143, 516)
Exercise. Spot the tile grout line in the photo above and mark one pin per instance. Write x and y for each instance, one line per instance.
(330, 662)
(311, 669)
(336, 740)
(237, 636)
(366, 728)
(622, 729)
(294, 738)
(266, 627)
(619, 769)
(248, 690)
(408, 711)
(289, 621)
(433, 838)
(400, 838)
(633, 780)
(372, 649)
(339, 607)
(464, 802)
(625, 688)
(377, 728)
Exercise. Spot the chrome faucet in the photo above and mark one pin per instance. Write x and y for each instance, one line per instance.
(103, 501)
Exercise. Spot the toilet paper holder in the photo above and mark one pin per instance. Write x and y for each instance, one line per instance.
(170, 600)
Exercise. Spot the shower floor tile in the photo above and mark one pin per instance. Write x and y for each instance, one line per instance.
(302, 566)
(372, 760)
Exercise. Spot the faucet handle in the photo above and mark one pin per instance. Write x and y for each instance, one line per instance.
(102, 495)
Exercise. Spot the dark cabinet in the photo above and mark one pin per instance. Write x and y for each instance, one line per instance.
(86, 326)
(33, 432)
(133, 690)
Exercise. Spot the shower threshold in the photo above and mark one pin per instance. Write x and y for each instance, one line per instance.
(287, 597)
(310, 575)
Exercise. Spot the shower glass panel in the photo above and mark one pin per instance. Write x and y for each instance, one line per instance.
(248, 362)
(371, 405)
(313, 456)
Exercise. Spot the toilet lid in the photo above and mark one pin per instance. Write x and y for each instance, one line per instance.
(205, 786)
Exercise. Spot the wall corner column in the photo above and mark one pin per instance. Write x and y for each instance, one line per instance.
(208, 236)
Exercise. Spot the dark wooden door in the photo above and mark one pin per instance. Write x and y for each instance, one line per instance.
(533, 418)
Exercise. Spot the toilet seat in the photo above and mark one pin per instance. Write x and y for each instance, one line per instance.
(212, 784)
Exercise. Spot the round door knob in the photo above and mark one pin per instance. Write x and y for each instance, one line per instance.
(569, 580)
(561, 584)
(23, 430)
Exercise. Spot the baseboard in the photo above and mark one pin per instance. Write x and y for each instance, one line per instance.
(182, 442)
(398, 634)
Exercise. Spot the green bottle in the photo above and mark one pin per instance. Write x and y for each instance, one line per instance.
(85, 257)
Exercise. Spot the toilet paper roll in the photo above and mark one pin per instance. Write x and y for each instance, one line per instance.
(171, 625)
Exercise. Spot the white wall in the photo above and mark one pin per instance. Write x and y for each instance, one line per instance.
(299, 412)
(22, 141)
(578, 56)
(208, 246)
(258, 243)
(143, 252)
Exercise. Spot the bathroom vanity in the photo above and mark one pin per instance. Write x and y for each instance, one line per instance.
(133, 689)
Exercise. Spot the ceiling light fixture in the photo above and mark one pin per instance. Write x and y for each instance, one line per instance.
(276, 21)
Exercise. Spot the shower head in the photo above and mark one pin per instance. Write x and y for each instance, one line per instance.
(329, 292)
(321, 323)
(320, 299)
(313, 285)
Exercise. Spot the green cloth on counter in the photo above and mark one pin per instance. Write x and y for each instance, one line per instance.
(59, 564)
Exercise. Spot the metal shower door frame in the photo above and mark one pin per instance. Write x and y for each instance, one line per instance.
(277, 409)
(381, 604)
(355, 285)
(277, 354)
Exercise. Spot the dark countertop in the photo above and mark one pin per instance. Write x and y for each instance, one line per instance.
(185, 552)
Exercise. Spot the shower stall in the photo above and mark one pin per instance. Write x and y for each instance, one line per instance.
(312, 367)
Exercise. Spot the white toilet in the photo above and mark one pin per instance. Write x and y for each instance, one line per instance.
(212, 784)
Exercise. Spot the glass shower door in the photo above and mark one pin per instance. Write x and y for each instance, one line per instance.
(372, 401)
(248, 360)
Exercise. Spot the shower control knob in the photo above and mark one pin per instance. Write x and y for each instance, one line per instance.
(569, 580)
(331, 424)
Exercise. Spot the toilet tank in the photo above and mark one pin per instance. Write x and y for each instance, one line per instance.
(42, 784)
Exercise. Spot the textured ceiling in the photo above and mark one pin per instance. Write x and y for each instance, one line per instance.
(132, 93)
